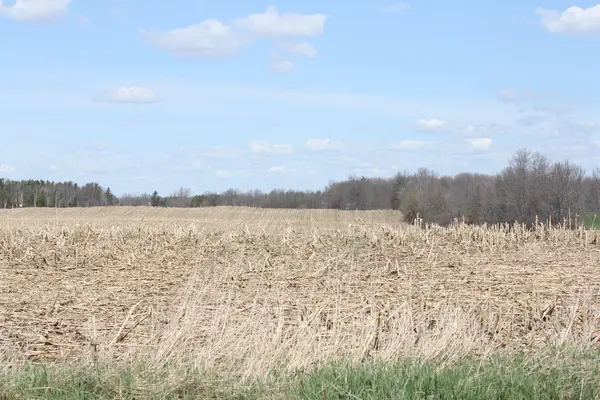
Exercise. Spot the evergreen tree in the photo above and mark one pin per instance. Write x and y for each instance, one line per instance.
(110, 198)
(155, 199)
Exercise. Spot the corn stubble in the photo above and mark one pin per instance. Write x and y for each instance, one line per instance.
(243, 291)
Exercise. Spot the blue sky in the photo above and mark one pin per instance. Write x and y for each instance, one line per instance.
(152, 95)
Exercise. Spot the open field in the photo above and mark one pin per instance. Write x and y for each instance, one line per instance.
(231, 219)
(260, 294)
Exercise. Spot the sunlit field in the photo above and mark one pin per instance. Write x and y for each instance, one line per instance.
(226, 302)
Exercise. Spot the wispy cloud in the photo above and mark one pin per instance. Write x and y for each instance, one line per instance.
(431, 124)
(283, 66)
(262, 147)
(397, 7)
(129, 94)
(323, 144)
(6, 168)
(520, 96)
(413, 144)
(480, 143)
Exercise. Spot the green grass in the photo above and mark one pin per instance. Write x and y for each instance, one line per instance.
(591, 220)
(551, 376)
(497, 379)
(40, 381)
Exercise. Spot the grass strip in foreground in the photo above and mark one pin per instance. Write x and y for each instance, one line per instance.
(502, 378)
(558, 376)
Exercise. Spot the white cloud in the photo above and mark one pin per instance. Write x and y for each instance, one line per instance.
(413, 144)
(431, 124)
(261, 147)
(6, 168)
(323, 144)
(277, 169)
(397, 7)
(301, 48)
(480, 143)
(215, 38)
(129, 94)
(35, 10)
(282, 66)
(273, 24)
(221, 173)
(210, 38)
(573, 21)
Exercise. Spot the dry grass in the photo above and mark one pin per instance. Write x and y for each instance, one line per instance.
(217, 218)
(242, 291)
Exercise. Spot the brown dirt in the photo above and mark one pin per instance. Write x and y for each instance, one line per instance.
(241, 290)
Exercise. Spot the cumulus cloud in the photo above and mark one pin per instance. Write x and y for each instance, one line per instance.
(323, 144)
(273, 24)
(300, 48)
(210, 38)
(573, 21)
(215, 38)
(129, 94)
(413, 144)
(261, 147)
(431, 124)
(35, 10)
(282, 66)
(397, 7)
(480, 143)
(278, 168)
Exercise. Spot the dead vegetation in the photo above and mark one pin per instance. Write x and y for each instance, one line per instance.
(242, 290)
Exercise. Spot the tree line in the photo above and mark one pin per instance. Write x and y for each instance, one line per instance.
(41, 193)
(529, 187)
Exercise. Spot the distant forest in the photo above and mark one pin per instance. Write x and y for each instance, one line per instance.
(529, 186)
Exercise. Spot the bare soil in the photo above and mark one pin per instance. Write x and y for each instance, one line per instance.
(241, 290)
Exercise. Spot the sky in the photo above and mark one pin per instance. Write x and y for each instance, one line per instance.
(155, 95)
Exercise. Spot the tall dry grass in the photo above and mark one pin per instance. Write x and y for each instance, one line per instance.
(243, 292)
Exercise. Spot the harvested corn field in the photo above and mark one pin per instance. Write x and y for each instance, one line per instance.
(241, 291)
